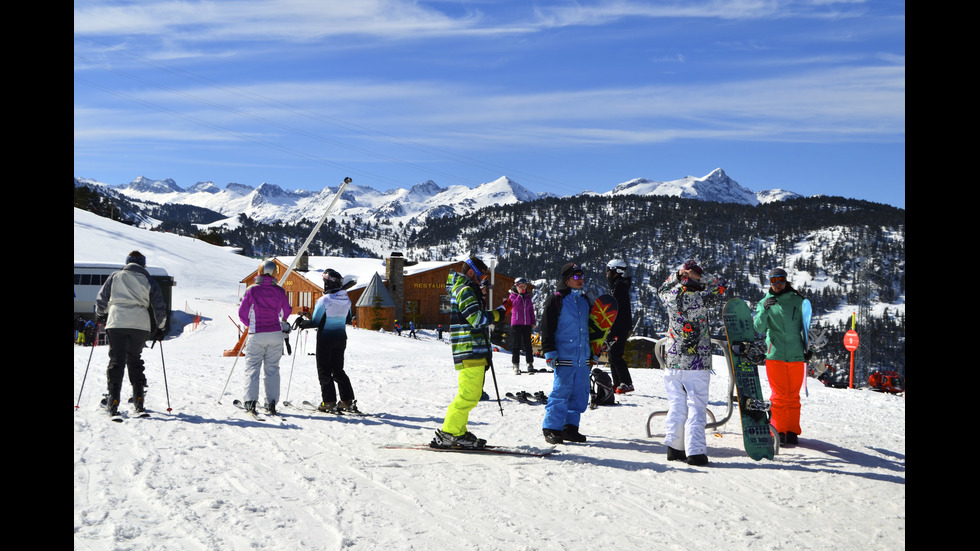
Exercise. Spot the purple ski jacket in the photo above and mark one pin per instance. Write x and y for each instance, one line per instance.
(263, 305)
(522, 309)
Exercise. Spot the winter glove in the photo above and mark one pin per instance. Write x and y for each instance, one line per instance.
(769, 302)
(159, 335)
(507, 306)
(551, 358)
(284, 325)
(101, 319)
(808, 354)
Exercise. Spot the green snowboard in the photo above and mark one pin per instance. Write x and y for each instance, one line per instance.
(752, 407)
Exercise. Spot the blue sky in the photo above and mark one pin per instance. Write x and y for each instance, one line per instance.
(560, 96)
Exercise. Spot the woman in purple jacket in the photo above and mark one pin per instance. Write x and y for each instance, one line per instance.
(522, 320)
(264, 310)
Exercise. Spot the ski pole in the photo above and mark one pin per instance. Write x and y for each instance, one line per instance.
(289, 383)
(237, 355)
(166, 389)
(94, 344)
(493, 266)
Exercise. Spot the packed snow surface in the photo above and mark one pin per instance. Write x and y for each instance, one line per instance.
(205, 476)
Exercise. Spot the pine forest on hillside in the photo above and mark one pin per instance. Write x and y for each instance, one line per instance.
(846, 255)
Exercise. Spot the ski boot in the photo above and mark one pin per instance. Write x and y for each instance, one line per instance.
(673, 454)
(698, 460)
(553, 436)
(327, 407)
(530, 369)
(466, 441)
(111, 405)
(570, 433)
(348, 407)
(517, 369)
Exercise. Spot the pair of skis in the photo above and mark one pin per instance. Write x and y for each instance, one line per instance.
(525, 397)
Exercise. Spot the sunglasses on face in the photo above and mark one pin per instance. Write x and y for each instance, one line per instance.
(577, 277)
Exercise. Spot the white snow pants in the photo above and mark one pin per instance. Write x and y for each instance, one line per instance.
(262, 353)
(687, 398)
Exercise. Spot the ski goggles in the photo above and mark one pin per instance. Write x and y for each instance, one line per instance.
(578, 276)
(480, 275)
(777, 279)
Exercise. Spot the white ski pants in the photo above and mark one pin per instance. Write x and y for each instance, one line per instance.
(687, 398)
(262, 354)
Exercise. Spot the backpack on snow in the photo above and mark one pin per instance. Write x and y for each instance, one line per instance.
(602, 392)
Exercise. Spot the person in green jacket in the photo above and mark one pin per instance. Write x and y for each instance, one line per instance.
(471, 350)
(780, 316)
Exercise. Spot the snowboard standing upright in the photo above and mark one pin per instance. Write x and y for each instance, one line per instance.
(601, 319)
(757, 435)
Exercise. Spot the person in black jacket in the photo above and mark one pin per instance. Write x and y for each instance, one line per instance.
(620, 284)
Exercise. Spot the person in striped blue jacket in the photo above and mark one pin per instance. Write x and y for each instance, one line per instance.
(331, 314)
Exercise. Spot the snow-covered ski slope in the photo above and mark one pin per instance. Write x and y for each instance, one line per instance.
(207, 477)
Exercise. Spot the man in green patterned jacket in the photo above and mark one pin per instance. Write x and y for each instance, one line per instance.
(471, 350)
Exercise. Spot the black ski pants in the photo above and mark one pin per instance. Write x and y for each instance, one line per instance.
(125, 349)
(617, 364)
(520, 337)
(330, 370)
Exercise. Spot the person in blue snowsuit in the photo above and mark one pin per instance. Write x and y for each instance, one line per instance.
(565, 344)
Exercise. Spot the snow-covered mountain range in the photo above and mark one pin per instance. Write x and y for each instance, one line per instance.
(269, 202)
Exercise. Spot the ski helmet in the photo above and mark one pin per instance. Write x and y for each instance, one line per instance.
(332, 280)
(520, 280)
(268, 267)
(617, 266)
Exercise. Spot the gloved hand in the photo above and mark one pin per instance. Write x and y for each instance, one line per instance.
(550, 359)
(808, 354)
(159, 335)
(101, 319)
(286, 328)
(769, 302)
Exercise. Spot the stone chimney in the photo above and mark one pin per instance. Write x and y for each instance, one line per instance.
(395, 274)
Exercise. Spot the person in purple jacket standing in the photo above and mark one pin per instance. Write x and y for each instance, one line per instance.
(522, 320)
(264, 310)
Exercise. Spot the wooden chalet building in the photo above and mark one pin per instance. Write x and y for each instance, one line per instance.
(416, 289)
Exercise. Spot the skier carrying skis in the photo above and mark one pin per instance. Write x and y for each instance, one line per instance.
(522, 320)
(123, 306)
(565, 344)
(469, 335)
(779, 315)
(689, 296)
(264, 310)
(331, 314)
(620, 284)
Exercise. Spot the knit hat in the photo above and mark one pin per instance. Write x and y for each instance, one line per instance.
(777, 272)
(136, 257)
